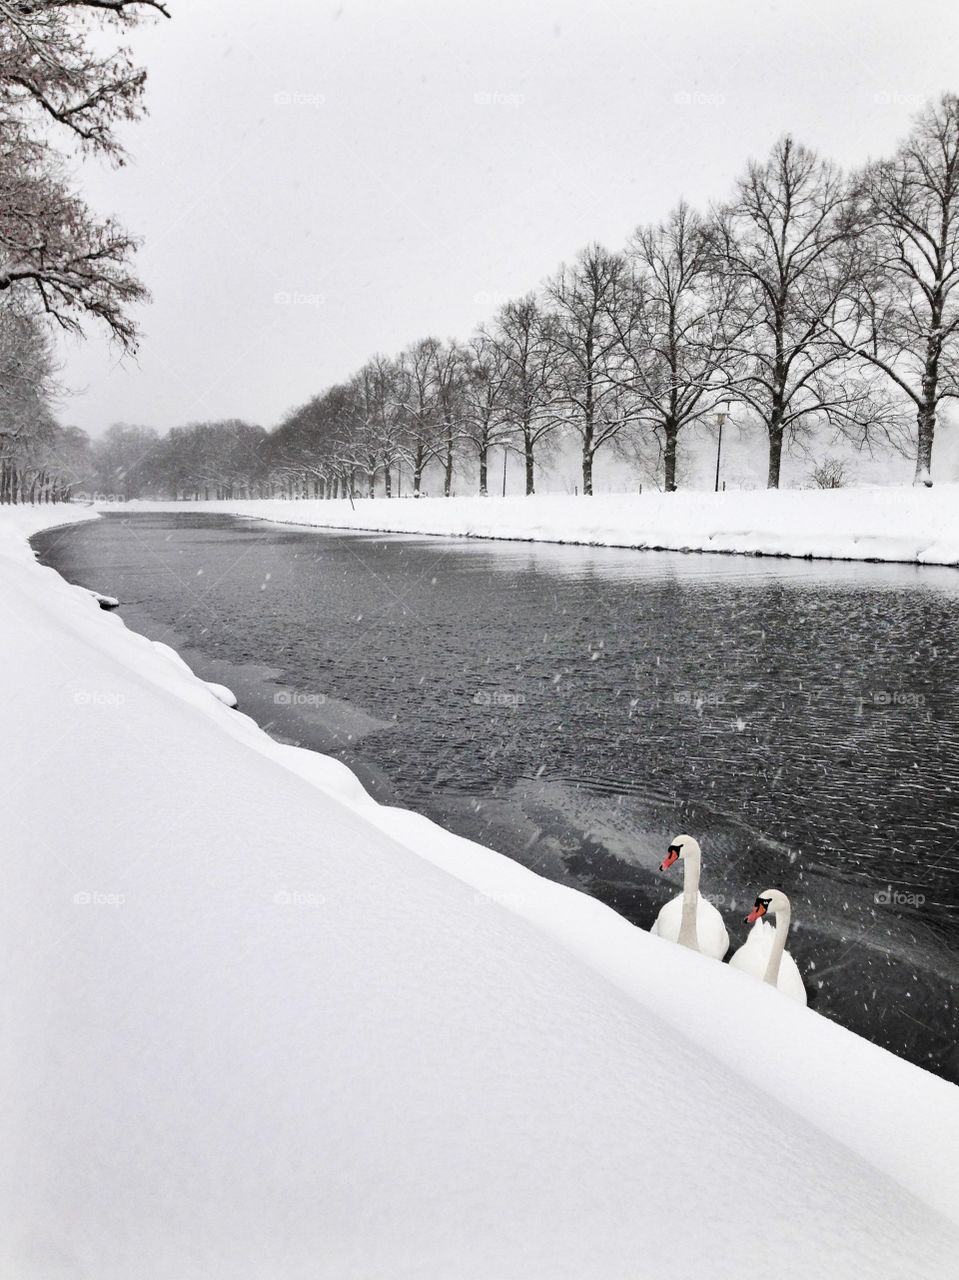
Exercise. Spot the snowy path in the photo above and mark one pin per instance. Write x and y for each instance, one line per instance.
(258, 1026)
(898, 524)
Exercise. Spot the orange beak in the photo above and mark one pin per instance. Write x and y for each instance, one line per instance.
(757, 911)
(668, 861)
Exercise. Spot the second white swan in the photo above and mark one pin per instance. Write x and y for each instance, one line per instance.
(764, 953)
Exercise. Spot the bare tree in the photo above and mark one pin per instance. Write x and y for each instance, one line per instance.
(418, 397)
(301, 451)
(485, 401)
(60, 92)
(782, 242)
(593, 303)
(451, 370)
(366, 408)
(830, 473)
(382, 377)
(123, 458)
(53, 73)
(27, 368)
(901, 313)
(525, 338)
(27, 389)
(74, 266)
(676, 337)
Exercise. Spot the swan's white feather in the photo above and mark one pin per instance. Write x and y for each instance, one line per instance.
(710, 930)
(753, 956)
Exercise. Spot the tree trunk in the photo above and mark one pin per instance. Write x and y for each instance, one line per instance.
(483, 470)
(589, 422)
(448, 469)
(926, 416)
(775, 454)
(587, 471)
(528, 443)
(776, 426)
(926, 422)
(388, 482)
(669, 456)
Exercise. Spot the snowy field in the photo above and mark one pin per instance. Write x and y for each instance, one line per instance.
(906, 524)
(257, 1025)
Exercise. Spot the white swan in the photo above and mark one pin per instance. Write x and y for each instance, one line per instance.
(764, 953)
(688, 919)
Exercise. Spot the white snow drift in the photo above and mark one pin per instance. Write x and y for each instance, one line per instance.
(258, 1026)
(879, 523)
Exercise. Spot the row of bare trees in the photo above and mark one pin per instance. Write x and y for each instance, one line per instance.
(810, 302)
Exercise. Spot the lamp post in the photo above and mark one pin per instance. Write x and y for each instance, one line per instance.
(721, 417)
(505, 456)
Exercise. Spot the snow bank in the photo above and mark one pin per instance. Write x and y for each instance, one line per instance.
(904, 524)
(257, 1025)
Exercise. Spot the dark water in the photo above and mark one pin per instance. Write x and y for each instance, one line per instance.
(575, 707)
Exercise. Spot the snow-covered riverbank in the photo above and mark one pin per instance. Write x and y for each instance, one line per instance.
(903, 524)
(259, 1025)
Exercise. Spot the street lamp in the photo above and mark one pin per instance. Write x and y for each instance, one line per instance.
(505, 456)
(721, 417)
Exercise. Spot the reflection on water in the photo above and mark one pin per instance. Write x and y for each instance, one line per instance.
(573, 707)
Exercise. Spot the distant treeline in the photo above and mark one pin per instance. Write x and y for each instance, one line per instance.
(811, 304)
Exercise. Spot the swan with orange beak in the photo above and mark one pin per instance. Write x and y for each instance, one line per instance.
(764, 953)
(689, 919)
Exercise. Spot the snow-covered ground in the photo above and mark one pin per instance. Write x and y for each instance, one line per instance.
(256, 1025)
(908, 524)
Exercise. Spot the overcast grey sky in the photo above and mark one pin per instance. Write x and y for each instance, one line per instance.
(317, 182)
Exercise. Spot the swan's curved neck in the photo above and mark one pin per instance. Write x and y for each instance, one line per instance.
(687, 928)
(778, 947)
